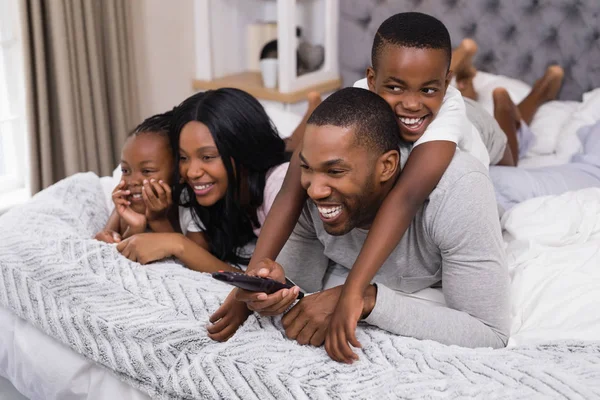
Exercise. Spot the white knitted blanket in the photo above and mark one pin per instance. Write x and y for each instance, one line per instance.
(147, 324)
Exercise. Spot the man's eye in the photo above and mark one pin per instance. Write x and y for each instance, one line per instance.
(335, 171)
(303, 166)
(182, 158)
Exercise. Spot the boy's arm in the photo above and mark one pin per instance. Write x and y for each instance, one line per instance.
(424, 168)
(282, 216)
(474, 275)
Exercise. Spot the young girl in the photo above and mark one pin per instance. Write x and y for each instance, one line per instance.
(143, 196)
(231, 167)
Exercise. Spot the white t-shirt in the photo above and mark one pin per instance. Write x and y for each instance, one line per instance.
(273, 182)
(451, 124)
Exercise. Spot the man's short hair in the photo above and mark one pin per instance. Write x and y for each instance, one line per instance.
(374, 121)
(412, 30)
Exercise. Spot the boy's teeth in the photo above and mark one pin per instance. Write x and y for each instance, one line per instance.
(410, 121)
(330, 212)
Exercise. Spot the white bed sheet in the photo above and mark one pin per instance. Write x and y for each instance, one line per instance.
(42, 368)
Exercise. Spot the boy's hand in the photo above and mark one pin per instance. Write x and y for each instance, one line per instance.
(228, 318)
(157, 197)
(272, 304)
(108, 236)
(342, 328)
(137, 222)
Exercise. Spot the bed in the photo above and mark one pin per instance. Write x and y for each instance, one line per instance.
(79, 321)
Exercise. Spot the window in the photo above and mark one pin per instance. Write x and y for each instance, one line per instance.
(13, 137)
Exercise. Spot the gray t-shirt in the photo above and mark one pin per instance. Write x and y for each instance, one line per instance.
(492, 135)
(455, 238)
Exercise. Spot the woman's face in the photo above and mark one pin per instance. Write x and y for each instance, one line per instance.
(200, 164)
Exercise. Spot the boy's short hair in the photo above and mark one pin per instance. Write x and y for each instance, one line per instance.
(376, 127)
(413, 30)
(158, 124)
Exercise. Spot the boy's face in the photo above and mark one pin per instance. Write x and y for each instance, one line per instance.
(413, 82)
(145, 156)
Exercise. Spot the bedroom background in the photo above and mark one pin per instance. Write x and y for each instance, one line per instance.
(157, 50)
(78, 76)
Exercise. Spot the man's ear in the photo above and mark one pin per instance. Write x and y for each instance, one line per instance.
(388, 164)
(371, 79)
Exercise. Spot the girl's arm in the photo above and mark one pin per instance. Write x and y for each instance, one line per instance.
(282, 216)
(111, 233)
(147, 247)
(423, 170)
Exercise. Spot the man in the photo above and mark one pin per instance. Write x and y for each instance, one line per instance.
(350, 162)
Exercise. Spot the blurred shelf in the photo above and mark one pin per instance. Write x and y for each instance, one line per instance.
(251, 82)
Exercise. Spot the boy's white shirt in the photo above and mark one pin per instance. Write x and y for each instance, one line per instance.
(451, 124)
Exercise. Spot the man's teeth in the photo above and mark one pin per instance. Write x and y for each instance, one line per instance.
(330, 212)
(411, 121)
(202, 187)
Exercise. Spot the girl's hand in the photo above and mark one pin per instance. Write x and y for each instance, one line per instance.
(136, 222)
(147, 247)
(158, 200)
(108, 236)
(228, 318)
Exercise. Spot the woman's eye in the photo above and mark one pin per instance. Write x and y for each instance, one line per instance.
(303, 166)
(147, 171)
(208, 158)
(124, 170)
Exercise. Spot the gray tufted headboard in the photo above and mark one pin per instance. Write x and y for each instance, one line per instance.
(517, 38)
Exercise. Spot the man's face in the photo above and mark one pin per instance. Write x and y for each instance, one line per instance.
(413, 82)
(340, 177)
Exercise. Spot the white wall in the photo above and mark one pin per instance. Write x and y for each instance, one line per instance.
(164, 50)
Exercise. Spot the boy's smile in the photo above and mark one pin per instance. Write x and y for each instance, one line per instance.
(413, 81)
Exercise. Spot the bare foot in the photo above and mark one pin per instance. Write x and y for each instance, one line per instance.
(508, 117)
(314, 99)
(549, 84)
(544, 89)
(462, 57)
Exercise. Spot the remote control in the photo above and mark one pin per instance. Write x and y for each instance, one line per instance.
(253, 283)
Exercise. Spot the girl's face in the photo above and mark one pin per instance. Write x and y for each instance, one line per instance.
(145, 156)
(200, 164)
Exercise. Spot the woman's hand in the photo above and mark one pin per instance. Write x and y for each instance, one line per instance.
(147, 247)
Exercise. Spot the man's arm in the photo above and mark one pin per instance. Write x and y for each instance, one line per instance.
(474, 275)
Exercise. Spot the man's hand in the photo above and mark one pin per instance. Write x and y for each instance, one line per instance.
(136, 222)
(147, 247)
(272, 304)
(307, 321)
(342, 328)
(108, 236)
(158, 199)
(228, 318)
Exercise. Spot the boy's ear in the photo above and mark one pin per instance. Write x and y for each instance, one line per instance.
(448, 78)
(371, 78)
(388, 164)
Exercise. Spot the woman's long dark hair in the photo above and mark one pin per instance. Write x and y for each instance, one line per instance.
(243, 133)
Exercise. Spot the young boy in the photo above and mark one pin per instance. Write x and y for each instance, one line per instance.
(143, 196)
(411, 57)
